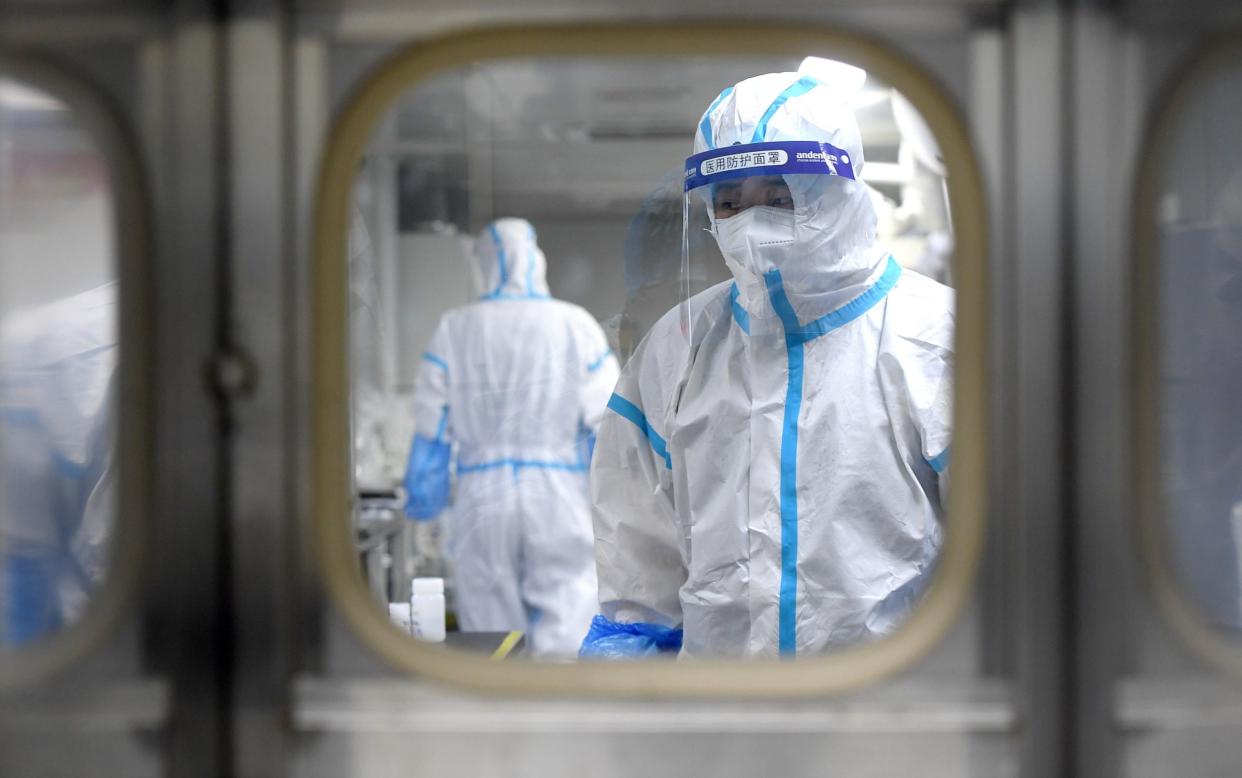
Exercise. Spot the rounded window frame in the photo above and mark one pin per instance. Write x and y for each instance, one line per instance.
(952, 585)
(1173, 602)
(33, 664)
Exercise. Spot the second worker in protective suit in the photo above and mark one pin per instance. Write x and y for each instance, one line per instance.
(769, 479)
(516, 382)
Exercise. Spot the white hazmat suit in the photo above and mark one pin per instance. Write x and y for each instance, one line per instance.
(57, 475)
(517, 383)
(769, 481)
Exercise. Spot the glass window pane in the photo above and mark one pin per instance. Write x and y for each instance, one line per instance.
(1199, 331)
(58, 357)
(576, 387)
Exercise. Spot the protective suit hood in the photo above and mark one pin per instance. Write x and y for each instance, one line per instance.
(824, 247)
(510, 262)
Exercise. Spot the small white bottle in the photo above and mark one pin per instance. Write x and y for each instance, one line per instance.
(427, 609)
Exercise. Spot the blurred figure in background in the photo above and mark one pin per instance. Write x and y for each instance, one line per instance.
(653, 249)
(57, 480)
(1201, 384)
(516, 384)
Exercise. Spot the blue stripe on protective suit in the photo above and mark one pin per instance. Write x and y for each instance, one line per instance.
(599, 361)
(789, 503)
(530, 267)
(588, 444)
(940, 462)
(796, 336)
(608, 639)
(629, 411)
(705, 125)
(787, 621)
(518, 464)
(437, 361)
(501, 260)
(506, 296)
(799, 87)
(739, 313)
(856, 307)
(442, 427)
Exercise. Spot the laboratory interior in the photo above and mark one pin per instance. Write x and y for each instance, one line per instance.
(517, 230)
(583, 387)
(590, 154)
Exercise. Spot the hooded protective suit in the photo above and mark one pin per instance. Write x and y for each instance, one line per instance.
(517, 383)
(769, 480)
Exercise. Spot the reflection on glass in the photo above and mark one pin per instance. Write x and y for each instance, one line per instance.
(766, 469)
(1200, 321)
(58, 354)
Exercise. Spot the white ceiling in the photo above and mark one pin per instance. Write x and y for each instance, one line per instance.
(577, 137)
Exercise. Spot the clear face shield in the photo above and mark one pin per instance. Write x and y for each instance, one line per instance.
(759, 210)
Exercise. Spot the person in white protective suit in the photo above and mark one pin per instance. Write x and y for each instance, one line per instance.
(57, 476)
(769, 480)
(517, 382)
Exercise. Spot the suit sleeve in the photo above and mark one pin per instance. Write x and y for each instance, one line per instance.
(638, 544)
(918, 376)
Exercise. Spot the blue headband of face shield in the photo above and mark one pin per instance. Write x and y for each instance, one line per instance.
(798, 157)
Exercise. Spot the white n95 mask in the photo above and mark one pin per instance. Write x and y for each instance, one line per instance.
(755, 241)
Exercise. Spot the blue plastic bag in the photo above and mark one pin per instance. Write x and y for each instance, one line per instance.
(30, 606)
(427, 478)
(608, 639)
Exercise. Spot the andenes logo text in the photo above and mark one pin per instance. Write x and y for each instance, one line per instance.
(831, 160)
